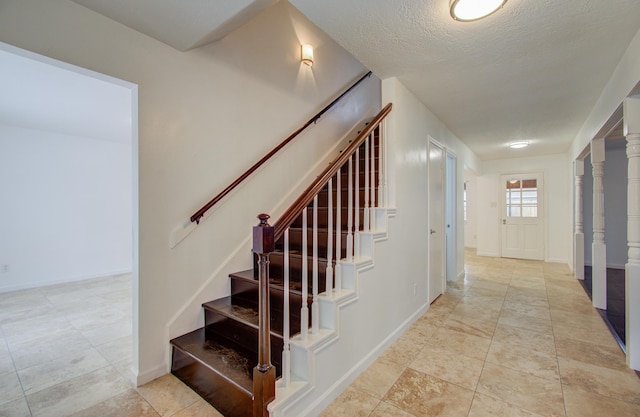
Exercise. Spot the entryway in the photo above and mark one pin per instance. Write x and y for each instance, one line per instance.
(442, 218)
(522, 216)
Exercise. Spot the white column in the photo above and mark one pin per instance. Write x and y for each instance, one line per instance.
(598, 248)
(578, 236)
(632, 132)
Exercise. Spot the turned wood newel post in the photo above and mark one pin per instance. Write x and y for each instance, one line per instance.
(264, 374)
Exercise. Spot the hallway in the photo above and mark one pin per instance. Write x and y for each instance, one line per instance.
(514, 338)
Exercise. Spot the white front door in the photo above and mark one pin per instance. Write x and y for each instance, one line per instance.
(522, 216)
(436, 220)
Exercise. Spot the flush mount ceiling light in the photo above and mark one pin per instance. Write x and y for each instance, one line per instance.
(470, 10)
(519, 145)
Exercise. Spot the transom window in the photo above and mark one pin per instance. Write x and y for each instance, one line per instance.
(522, 198)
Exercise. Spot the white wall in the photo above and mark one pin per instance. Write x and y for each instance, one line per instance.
(557, 202)
(66, 207)
(615, 207)
(386, 303)
(204, 116)
(414, 123)
(625, 77)
(471, 224)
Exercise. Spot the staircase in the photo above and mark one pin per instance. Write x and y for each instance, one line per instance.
(218, 360)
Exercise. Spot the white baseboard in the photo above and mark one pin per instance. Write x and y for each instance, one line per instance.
(611, 266)
(149, 375)
(557, 261)
(46, 283)
(490, 254)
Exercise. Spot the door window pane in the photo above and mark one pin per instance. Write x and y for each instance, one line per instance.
(522, 198)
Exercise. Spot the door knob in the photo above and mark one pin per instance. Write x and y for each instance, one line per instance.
(432, 231)
(504, 221)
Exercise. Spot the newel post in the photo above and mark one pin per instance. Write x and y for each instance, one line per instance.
(264, 374)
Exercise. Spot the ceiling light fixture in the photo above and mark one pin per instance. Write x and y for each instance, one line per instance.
(519, 145)
(470, 10)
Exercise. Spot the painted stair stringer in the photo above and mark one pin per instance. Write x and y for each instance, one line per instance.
(306, 356)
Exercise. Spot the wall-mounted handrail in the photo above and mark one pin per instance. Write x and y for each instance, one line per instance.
(288, 217)
(198, 214)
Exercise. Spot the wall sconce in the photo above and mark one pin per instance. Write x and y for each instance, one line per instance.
(307, 54)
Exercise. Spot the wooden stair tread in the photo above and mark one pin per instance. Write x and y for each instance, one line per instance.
(220, 357)
(241, 310)
(275, 282)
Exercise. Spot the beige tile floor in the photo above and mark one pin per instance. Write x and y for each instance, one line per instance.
(65, 350)
(511, 339)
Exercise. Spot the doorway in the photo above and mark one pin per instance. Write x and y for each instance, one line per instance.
(450, 216)
(436, 193)
(81, 127)
(522, 216)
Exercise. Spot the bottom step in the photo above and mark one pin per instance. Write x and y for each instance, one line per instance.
(218, 373)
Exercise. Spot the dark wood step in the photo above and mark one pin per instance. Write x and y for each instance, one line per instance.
(247, 281)
(344, 178)
(219, 372)
(276, 268)
(244, 285)
(295, 241)
(323, 219)
(236, 321)
(323, 196)
(242, 311)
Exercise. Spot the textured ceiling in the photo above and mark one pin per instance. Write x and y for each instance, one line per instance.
(532, 71)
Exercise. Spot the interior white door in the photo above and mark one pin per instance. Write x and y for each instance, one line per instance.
(522, 216)
(450, 217)
(436, 220)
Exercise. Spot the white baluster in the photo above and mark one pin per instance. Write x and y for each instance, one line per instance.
(365, 203)
(383, 197)
(356, 209)
(329, 271)
(304, 311)
(372, 222)
(315, 311)
(338, 273)
(350, 212)
(286, 352)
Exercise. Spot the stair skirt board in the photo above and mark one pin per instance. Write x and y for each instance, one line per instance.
(287, 399)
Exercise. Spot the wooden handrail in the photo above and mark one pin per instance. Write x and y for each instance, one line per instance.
(289, 216)
(198, 214)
